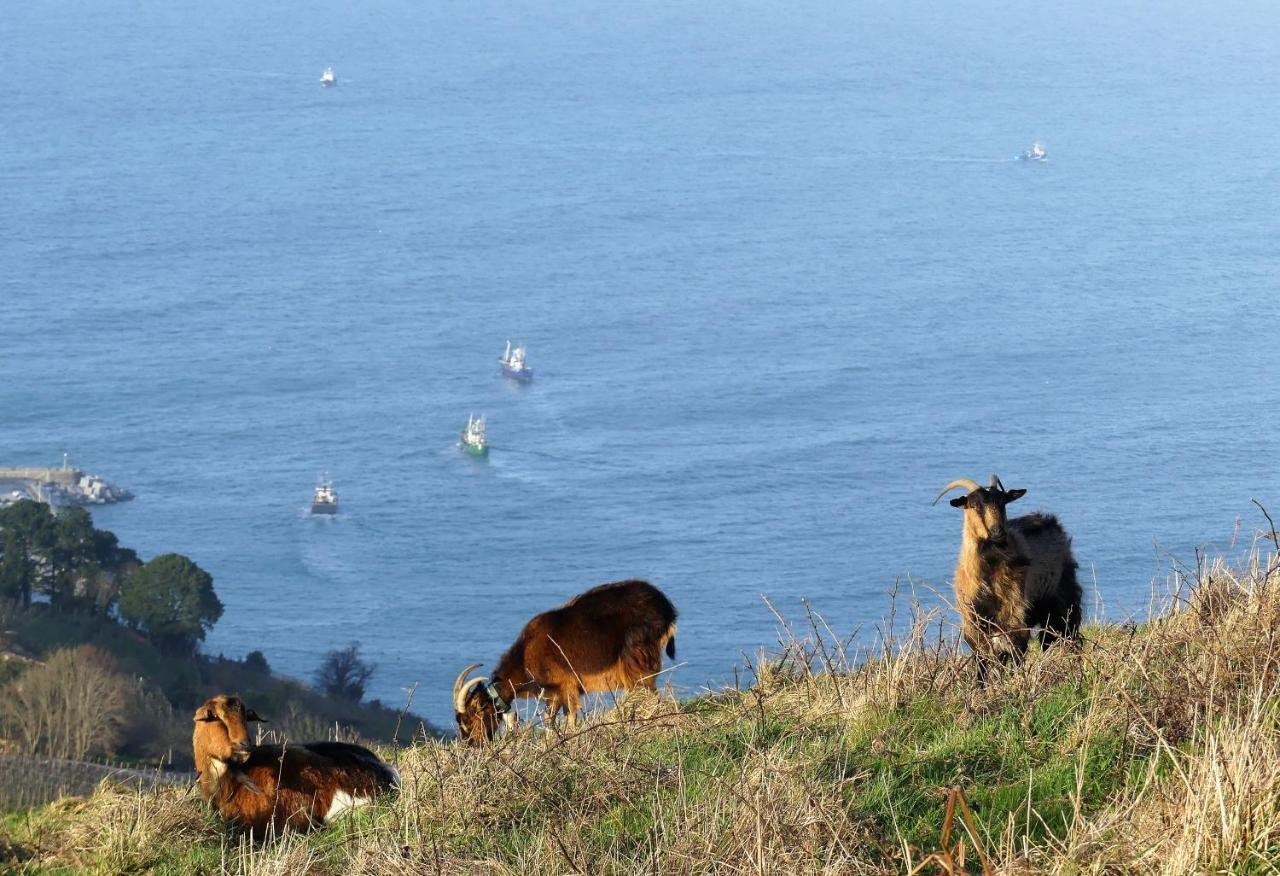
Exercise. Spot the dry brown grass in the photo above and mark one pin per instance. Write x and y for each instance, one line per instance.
(1154, 751)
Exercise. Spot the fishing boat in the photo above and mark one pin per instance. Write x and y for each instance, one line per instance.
(327, 79)
(473, 440)
(325, 500)
(514, 365)
(1035, 153)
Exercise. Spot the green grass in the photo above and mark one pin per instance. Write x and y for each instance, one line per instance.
(894, 764)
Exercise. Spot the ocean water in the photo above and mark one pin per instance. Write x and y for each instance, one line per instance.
(778, 273)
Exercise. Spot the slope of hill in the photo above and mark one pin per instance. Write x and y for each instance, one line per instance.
(1154, 750)
(159, 692)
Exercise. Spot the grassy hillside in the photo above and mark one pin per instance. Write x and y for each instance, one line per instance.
(1156, 750)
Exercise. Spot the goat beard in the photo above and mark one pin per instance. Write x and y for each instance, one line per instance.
(1004, 552)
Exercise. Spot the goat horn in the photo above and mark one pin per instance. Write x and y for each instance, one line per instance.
(959, 482)
(996, 484)
(459, 695)
(468, 687)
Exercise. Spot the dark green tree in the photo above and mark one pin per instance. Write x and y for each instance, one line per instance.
(257, 661)
(344, 673)
(27, 533)
(61, 556)
(171, 599)
(72, 557)
(112, 564)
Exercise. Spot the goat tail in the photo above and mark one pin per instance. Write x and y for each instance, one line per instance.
(671, 641)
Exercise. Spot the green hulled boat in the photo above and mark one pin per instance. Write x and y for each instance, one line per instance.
(473, 440)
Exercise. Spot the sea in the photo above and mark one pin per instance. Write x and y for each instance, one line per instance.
(779, 274)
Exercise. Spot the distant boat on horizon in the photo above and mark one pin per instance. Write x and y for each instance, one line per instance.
(327, 79)
(325, 499)
(514, 365)
(1037, 152)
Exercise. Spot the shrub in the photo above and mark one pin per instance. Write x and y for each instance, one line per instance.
(72, 706)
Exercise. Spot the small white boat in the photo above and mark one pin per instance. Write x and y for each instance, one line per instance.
(1035, 153)
(327, 79)
(325, 500)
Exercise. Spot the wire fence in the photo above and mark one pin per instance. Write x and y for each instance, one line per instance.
(35, 781)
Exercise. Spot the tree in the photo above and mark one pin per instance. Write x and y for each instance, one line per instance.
(73, 705)
(61, 556)
(172, 600)
(26, 535)
(257, 661)
(100, 589)
(86, 564)
(344, 673)
(72, 556)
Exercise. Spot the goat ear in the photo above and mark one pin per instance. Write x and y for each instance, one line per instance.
(959, 501)
(1013, 495)
(251, 715)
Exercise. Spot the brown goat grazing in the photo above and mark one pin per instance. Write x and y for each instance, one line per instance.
(1012, 576)
(266, 788)
(609, 638)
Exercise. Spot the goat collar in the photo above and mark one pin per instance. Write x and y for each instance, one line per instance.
(500, 705)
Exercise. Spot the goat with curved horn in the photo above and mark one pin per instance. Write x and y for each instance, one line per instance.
(609, 638)
(968, 485)
(1012, 576)
(462, 687)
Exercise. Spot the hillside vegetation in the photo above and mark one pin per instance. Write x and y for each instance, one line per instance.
(100, 659)
(158, 690)
(1155, 750)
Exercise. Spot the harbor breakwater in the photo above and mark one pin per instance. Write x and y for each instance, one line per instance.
(58, 486)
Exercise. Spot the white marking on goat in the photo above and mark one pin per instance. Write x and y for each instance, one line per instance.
(217, 769)
(343, 802)
(395, 776)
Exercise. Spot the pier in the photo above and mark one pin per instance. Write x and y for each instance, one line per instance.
(58, 486)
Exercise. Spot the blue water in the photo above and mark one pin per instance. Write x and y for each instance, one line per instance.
(778, 275)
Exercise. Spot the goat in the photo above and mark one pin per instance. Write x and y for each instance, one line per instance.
(609, 637)
(269, 787)
(1012, 576)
